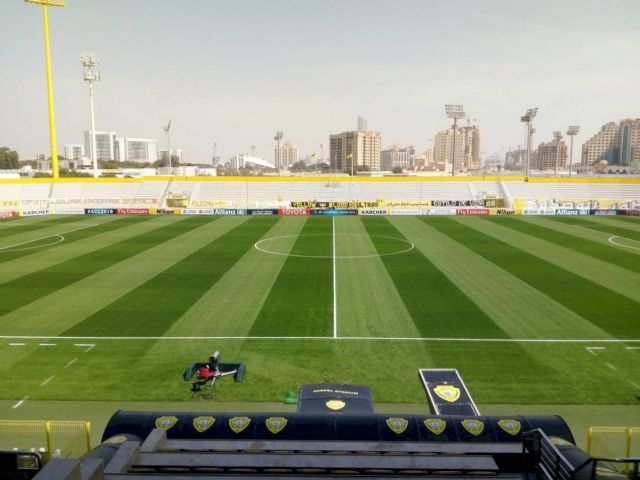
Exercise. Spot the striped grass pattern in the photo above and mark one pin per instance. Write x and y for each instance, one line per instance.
(115, 310)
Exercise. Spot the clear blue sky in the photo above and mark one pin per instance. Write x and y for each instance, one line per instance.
(235, 72)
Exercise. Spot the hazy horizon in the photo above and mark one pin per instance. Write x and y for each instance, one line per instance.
(234, 73)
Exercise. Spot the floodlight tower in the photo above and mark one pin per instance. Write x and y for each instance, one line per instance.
(572, 132)
(528, 118)
(47, 57)
(558, 136)
(91, 74)
(166, 132)
(456, 112)
(277, 138)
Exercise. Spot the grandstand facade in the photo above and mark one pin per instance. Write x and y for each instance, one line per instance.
(439, 195)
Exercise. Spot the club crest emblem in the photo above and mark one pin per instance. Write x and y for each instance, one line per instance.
(447, 392)
(276, 424)
(335, 404)
(166, 422)
(238, 424)
(397, 425)
(435, 425)
(512, 427)
(202, 424)
(474, 427)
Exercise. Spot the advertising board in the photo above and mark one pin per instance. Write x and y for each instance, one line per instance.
(472, 211)
(32, 212)
(294, 211)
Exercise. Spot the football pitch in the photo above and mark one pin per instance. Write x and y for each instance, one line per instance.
(530, 310)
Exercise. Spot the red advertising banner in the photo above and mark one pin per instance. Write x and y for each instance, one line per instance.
(294, 211)
(632, 213)
(132, 211)
(472, 211)
(10, 214)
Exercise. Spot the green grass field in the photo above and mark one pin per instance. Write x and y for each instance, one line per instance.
(530, 310)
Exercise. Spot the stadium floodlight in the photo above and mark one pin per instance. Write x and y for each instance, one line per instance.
(277, 138)
(47, 57)
(528, 118)
(91, 74)
(456, 112)
(558, 136)
(166, 132)
(572, 131)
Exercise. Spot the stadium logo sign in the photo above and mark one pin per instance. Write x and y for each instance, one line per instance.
(238, 424)
(512, 427)
(435, 425)
(447, 392)
(166, 422)
(397, 425)
(202, 424)
(474, 427)
(335, 404)
(275, 424)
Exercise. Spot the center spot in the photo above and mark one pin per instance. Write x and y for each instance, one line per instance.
(281, 245)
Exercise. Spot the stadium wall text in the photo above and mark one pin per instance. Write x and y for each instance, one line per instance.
(8, 214)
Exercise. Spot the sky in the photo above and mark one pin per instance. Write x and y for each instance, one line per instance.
(235, 72)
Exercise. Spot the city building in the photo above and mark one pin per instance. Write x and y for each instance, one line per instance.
(120, 154)
(617, 144)
(354, 151)
(286, 155)
(362, 124)
(398, 156)
(105, 145)
(176, 155)
(467, 145)
(141, 150)
(73, 151)
(548, 154)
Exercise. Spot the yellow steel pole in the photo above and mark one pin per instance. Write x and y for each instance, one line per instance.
(52, 119)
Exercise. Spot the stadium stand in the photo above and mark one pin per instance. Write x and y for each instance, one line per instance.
(257, 192)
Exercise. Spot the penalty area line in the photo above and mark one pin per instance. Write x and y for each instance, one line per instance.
(17, 405)
(375, 339)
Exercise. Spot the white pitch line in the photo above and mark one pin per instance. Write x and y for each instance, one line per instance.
(620, 244)
(90, 345)
(17, 344)
(59, 235)
(47, 380)
(17, 405)
(632, 348)
(611, 366)
(70, 363)
(381, 339)
(335, 299)
(632, 383)
(591, 349)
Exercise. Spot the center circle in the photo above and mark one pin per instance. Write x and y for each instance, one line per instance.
(263, 245)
